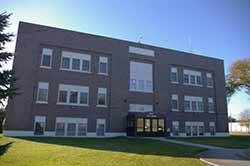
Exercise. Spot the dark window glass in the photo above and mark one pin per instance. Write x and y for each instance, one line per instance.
(174, 104)
(161, 125)
(147, 125)
(187, 105)
(73, 97)
(100, 129)
(101, 99)
(194, 106)
(46, 60)
(210, 107)
(83, 98)
(71, 129)
(201, 130)
(175, 130)
(212, 130)
(195, 130)
(188, 130)
(173, 77)
(186, 78)
(85, 65)
(76, 64)
(200, 106)
(82, 129)
(60, 129)
(63, 96)
(154, 125)
(103, 67)
(42, 95)
(198, 79)
(65, 62)
(209, 82)
(39, 128)
(140, 125)
(192, 79)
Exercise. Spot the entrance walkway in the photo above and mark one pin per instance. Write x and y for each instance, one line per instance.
(216, 156)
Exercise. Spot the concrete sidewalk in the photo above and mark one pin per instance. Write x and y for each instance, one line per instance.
(216, 156)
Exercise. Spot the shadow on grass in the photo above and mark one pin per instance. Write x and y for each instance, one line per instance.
(122, 144)
(4, 148)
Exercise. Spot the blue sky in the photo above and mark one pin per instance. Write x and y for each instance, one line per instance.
(219, 29)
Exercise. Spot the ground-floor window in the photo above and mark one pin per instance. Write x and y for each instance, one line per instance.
(100, 127)
(71, 129)
(175, 128)
(161, 125)
(140, 124)
(194, 128)
(188, 130)
(39, 125)
(82, 129)
(147, 125)
(212, 128)
(60, 129)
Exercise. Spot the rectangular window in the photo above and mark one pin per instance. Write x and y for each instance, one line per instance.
(147, 125)
(103, 65)
(174, 75)
(39, 125)
(161, 125)
(210, 105)
(82, 129)
(75, 64)
(71, 129)
(66, 63)
(42, 92)
(141, 75)
(63, 96)
(72, 61)
(198, 79)
(210, 82)
(194, 130)
(175, 128)
(212, 128)
(188, 130)
(200, 106)
(73, 95)
(186, 79)
(187, 105)
(194, 106)
(102, 97)
(46, 59)
(201, 130)
(192, 79)
(60, 129)
(140, 125)
(174, 102)
(154, 125)
(100, 128)
(140, 108)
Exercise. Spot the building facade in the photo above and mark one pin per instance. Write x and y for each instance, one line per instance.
(79, 85)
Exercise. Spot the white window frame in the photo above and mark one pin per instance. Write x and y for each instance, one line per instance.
(73, 88)
(197, 124)
(75, 55)
(101, 121)
(210, 76)
(141, 51)
(195, 99)
(195, 74)
(103, 59)
(175, 123)
(41, 119)
(209, 101)
(102, 91)
(49, 52)
(175, 97)
(174, 70)
(42, 85)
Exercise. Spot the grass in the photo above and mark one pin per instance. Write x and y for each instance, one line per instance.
(235, 140)
(120, 151)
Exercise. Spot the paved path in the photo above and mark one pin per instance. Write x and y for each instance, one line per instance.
(217, 156)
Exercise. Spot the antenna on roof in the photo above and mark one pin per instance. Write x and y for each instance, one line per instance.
(140, 39)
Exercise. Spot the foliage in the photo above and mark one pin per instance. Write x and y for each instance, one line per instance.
(238, 77)
(245, 119)
(6, 76)
(231, 119)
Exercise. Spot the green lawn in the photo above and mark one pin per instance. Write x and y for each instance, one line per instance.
(96, 151)
(236, 140)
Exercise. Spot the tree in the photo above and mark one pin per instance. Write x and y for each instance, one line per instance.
(231, 119)
(245, 119)
(6, 76)
(238, 77)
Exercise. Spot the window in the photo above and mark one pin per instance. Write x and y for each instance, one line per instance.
(186, 79)
(140, 125)
(72, 61)
(141, 51)
(71, 129)
(100, 128)
(154, 125)
(82, 129)
(42, 93)
(212, 128)
(147, 125)
(175, 128)
(60, 128)
(141, 75)
(174, 102)
(161, 125)
(210, 105)
(174, 75)
(63, 96)
(75, 64)
(201, 130)
(65, 63)
(194, 128)
(102, 97)
(191, 77)
(210, 83)
(193, 103)
(103, 65)
(73, 95)
(188, 130)
(46, 59)
(39, 125)
(140, 108)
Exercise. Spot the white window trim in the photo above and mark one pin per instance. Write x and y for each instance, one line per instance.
(42, 85)
(102, 90)
(136, 106)
(175, 97)
(103, 59)
(101, 121)
(196, 99)
(48, 52)
(194, 73)
(209, 75)
(41, 119)
(74, 55)
(174, 70)
(211, 100)
(141, 51)
(72, 88)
